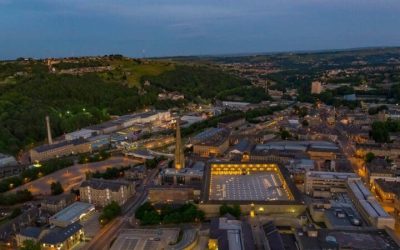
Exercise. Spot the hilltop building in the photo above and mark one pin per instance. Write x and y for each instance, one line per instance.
(316, 87)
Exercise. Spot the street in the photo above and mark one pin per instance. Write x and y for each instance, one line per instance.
(108, 233)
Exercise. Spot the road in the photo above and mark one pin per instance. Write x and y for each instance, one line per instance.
(72, 177)
(108, 233)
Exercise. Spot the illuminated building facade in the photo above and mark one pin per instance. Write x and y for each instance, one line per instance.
(211, 142)
(64, 148)
(101, 192)
(259, 188)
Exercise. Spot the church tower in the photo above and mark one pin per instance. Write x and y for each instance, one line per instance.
(179, 156)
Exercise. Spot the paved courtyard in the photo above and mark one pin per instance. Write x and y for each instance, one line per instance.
(259, 186)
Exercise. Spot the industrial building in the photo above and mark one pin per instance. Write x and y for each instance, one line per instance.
(127, 121)
(83, 133)
(211, 142)
(64, 148)
(315, 150)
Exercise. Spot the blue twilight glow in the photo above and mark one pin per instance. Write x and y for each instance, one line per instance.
(41, 28)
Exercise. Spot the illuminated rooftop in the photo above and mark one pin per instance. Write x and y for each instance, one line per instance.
(238, 182)
(259, 186)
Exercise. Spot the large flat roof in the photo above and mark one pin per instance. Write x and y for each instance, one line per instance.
(367, 201)
(141, 239)
(73, 212)
(249, 182)
(298, 145)
(47, 147)
(211, 137)
(331, 175)
(350, 239)
(263, 186)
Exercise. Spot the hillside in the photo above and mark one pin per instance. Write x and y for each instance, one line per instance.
(82, 91)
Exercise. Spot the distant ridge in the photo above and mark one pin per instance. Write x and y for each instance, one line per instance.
(246, 54)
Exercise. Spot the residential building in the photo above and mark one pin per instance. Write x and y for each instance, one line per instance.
(101, 192)
(378, 168)
(388, 191)
(28, 233)
(54, 204)
(135, 173)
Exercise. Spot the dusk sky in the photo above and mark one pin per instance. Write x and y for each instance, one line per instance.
(58, 28)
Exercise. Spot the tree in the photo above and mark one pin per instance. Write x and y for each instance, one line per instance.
(56, 188)
(142, 210)
(15, 198)
(150, 163)
(285, 134)
(109, 212)
(30, 245)
(232, 210)
(151, 218)
(369, 157)
(167, 214)
(380, 132)
(16, 211)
